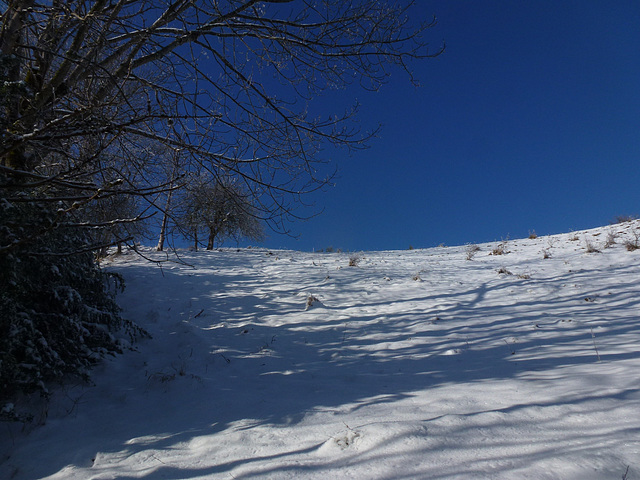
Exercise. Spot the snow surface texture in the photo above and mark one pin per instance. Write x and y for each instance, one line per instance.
(415, 364)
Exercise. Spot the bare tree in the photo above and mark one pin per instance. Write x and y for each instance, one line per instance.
(227, 82)
(172, 170)
(221, 209)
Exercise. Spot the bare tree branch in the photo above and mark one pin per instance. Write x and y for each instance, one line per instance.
(112, 89)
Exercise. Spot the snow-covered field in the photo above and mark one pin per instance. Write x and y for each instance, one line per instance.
(416, 364)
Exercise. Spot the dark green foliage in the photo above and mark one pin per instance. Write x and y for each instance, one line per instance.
(57, 310)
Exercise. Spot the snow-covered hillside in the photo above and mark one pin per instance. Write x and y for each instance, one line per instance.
(419, 364)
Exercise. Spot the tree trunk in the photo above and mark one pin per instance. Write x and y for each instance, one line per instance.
(212, 237)
(165, 220)
(11, 36)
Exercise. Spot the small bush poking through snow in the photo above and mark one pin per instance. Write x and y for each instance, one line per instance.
(472, 249)
(631, 246)
(532, 235)
(354, 260)
(500, 249)
(624, 219)
(504, 271)
(611, 239)
(590, 246)
(634, 244)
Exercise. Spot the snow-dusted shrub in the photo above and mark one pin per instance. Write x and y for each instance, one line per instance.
(498, 250)
(611, 239)
(590, 246)
(57, 310)
(634, 244)
(501, 248)
(471, 250)
(624, 219)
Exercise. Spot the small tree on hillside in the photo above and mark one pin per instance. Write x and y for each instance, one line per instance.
(220, 209)
(114, 220)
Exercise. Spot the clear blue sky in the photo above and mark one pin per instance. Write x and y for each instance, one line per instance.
(530, 120)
